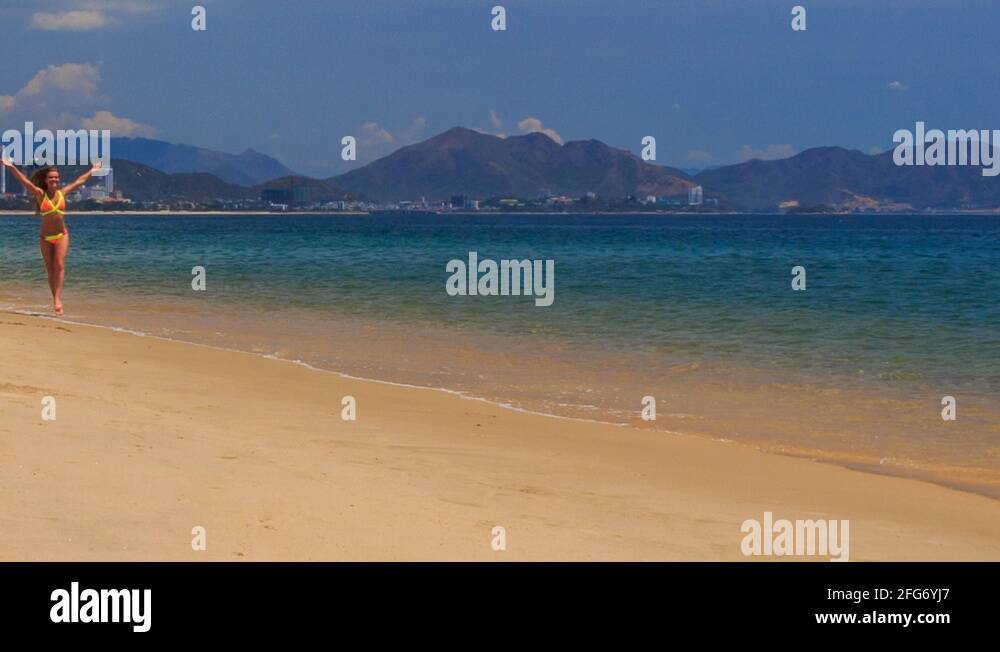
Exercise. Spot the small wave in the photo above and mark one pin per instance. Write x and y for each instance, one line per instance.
(302, 363)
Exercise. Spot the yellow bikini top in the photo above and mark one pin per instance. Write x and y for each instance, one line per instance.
(47, 206)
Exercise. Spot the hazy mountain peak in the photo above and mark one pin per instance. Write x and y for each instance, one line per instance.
(464, 161)
(247, 169)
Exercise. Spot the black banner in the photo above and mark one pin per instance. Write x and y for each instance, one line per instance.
(146, 601)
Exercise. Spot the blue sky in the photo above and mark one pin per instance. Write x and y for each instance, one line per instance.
(715, 82)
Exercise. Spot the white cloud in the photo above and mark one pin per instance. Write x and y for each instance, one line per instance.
(71, 21)
(82, 15)
(119, 126)
(496, 126)
(80, 79)
(62, 96)
(65, 85)
(897, 86)
(375, 141)
(770, 152)
(534, 125)
(371, 133)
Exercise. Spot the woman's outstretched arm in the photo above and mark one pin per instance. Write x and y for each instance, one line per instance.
(82, 179)
(25, 181)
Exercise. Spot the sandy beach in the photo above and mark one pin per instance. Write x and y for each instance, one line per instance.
(153, 438)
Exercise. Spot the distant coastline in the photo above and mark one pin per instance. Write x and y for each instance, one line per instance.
(462, 170)
(984, 211)
(10, 213)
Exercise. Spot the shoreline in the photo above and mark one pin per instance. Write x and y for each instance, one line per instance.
(438, 449)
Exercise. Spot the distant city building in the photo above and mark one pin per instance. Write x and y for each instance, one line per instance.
(590, 195)
(695, 196)
(459, 201)
(670, 201)
(108, 174)
(544, 194)
(650, 199)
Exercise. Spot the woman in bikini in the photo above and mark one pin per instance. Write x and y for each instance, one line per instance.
(50, 200)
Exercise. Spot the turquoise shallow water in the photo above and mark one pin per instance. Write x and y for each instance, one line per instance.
(901, 297)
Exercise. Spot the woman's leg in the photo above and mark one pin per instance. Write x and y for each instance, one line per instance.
(48, 257)
(59, 271)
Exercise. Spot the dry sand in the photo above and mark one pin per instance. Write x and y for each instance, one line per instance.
(153, 438)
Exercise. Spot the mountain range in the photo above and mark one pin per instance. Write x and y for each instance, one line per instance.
(837, 177)
(464, 161)
(247, 169)
(143, 183)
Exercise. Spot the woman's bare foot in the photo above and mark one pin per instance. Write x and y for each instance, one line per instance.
(58, 307)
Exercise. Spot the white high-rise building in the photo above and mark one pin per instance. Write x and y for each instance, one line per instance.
(108, 174)
(695, 196)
